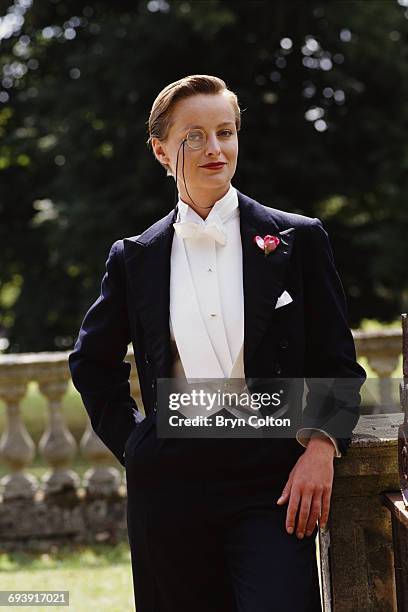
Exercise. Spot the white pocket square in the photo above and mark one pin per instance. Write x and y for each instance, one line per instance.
(283, 300)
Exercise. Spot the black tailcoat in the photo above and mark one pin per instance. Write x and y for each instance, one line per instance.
(308, 338)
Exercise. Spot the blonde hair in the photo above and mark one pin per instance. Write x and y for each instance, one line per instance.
(159, 121)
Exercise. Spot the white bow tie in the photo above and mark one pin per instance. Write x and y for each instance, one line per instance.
(191, 229)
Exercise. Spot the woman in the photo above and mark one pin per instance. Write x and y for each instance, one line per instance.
(222, 287)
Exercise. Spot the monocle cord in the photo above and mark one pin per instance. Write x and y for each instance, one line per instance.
(184, 179)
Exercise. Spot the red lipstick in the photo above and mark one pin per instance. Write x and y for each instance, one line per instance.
(214, 165)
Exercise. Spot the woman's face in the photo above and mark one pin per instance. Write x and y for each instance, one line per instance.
(214, 115)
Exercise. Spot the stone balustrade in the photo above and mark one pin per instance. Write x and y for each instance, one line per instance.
(61, 506)
(57, 445)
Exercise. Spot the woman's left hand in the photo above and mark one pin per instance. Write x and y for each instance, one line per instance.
(309, 486)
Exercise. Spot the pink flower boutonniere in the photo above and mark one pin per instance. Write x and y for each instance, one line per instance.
(268, 243)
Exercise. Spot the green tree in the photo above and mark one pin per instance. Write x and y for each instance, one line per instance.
(323, 85)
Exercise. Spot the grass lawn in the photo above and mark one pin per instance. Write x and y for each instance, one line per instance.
(97, 577)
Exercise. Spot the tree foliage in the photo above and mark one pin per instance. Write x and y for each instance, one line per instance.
(323, 86)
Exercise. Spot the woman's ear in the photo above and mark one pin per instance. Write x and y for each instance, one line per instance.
(160, 153)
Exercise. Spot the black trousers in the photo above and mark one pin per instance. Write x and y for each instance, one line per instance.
(205, 532)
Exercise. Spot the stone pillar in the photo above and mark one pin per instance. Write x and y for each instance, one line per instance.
(361, 546)
(399, 516)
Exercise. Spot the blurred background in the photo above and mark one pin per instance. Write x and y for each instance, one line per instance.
(323, 88)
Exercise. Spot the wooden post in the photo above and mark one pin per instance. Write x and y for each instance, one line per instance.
(403, 429)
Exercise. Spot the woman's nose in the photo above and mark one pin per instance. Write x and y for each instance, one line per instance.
(213, 145)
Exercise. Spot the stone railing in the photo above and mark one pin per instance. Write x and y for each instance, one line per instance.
(58, 447)
(62, 507)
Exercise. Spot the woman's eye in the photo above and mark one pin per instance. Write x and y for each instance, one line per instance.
(226, 133)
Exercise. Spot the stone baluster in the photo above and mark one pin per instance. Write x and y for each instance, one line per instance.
(382, 350)
(17, 448)
(384, 367)
(57, 445)
(102, 479)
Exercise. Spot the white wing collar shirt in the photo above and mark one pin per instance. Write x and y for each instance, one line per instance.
(206, 293)
(206, 289)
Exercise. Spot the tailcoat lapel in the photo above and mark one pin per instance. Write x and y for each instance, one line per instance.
(263, 277)
(147, 261)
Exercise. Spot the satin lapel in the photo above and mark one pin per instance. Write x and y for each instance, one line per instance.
(147, 261)
(263, 277)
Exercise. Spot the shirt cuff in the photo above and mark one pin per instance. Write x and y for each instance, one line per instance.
(303, 436)
(138, 416)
